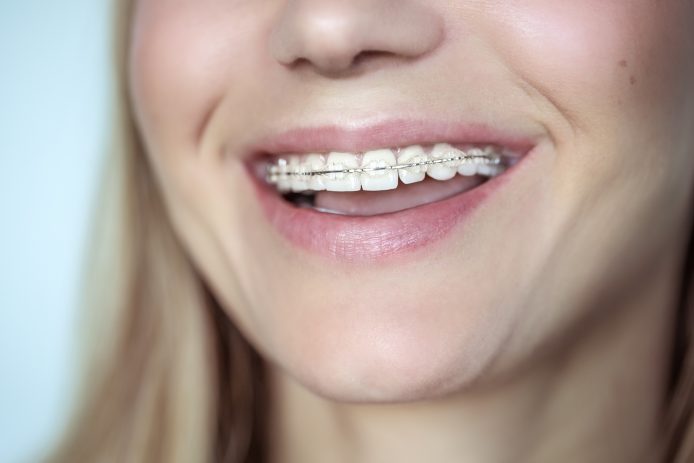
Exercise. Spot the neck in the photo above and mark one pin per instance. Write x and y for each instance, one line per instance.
(598, 399)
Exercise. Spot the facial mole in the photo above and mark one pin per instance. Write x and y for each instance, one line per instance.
(632, 80)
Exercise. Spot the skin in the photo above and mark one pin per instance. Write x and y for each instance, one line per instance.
(547, 325)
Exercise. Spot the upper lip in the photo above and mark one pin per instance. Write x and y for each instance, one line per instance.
(389, 133)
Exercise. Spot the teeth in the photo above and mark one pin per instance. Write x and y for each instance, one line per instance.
(314, 163)
(383, 178)
(467, 168)
(341, 181)
(283, 179)
(443, 170)
(486, 169)
(379, 170)
(299, 181)
(412, 155)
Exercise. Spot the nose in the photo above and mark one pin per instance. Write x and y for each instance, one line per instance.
(333, 35)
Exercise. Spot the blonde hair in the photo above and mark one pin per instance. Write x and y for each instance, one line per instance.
(162, 358)
(168, 376)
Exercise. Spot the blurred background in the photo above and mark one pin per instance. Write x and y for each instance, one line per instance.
(54, 94)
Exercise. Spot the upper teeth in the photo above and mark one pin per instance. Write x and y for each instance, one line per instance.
(380, 169)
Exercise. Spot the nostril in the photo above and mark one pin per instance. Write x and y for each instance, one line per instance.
(371, 55)
(349, 66)
(335, 36)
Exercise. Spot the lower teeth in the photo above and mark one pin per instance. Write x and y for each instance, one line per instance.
(366, 203)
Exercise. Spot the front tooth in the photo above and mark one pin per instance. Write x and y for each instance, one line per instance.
(342, 181)
(297, 181)
(315, 163)
(411, 155)
(378, 180)
(442, 170)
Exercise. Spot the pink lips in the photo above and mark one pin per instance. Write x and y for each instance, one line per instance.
(353, 239)
(391, 133)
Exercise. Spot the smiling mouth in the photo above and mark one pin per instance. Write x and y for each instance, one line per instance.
(384, 180)
(340, 192)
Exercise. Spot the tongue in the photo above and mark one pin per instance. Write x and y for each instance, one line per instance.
(403, 197)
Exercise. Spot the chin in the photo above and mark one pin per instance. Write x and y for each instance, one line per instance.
(414, 356)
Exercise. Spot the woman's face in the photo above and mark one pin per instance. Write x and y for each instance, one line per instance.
(593, 97)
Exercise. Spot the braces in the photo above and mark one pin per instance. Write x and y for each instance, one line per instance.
(487, 157)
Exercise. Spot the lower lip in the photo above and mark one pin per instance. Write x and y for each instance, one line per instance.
(366, 239)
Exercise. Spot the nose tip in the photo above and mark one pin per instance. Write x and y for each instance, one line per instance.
(327, 41)
(330, 35)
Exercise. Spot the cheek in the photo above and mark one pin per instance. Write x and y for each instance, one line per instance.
(591, 57)
(187, 60)
(184, 57)
(612, 82)
(613, 85)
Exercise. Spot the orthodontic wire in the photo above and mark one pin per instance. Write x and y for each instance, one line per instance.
(493, 159)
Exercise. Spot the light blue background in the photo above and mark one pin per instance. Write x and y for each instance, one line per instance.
(53, 117)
